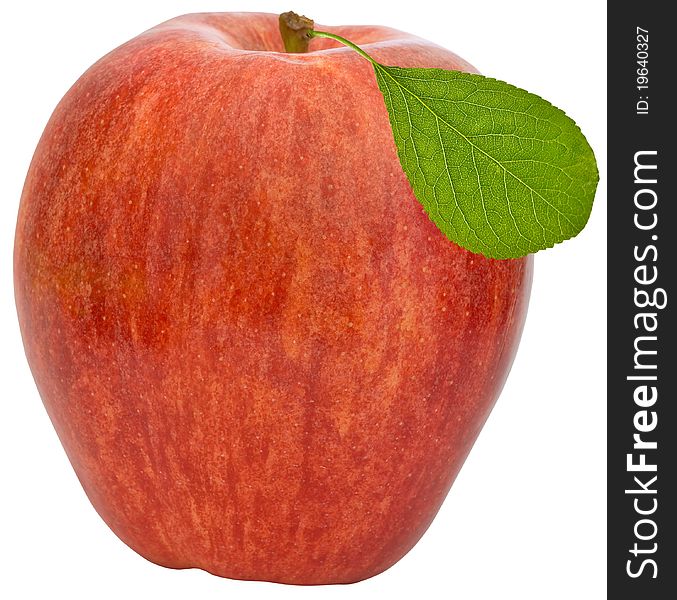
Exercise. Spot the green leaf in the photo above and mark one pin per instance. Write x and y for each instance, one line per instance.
(499, 170)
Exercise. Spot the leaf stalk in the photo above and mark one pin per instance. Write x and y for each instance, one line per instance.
(342, 40)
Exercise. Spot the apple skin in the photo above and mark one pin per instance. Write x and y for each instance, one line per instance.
(260, 355)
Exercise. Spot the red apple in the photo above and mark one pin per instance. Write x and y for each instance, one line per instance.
(261, 356)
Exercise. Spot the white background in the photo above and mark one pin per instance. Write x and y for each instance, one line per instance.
(526, 516)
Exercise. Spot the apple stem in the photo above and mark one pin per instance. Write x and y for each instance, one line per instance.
(295, 31)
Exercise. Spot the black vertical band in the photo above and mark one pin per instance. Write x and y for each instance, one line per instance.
(642, 246)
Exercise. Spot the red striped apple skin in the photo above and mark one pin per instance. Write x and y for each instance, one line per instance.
(261, 356)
